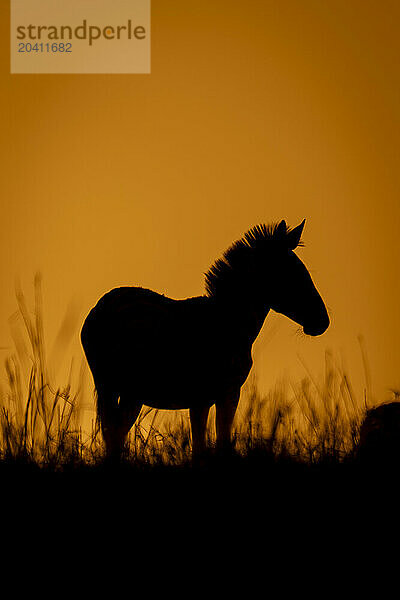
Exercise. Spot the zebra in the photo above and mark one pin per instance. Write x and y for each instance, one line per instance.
(144, 348)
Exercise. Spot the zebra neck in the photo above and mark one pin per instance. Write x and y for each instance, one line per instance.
(246, 318)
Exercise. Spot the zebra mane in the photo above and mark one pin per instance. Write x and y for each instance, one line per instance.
(258, 240)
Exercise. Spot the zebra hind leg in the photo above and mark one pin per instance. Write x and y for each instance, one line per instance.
(116, 418)
(107, 413)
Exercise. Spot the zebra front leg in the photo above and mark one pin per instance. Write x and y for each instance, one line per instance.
(198, 423)
(225, 413)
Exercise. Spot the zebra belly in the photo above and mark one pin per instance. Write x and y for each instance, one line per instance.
(184, 380)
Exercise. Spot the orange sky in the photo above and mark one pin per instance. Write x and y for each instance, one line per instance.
(253, 112)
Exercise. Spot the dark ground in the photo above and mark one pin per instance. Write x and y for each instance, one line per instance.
(222, 528)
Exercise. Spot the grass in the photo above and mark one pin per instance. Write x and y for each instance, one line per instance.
(291, 433)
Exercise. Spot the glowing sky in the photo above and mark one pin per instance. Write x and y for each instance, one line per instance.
(253, 112)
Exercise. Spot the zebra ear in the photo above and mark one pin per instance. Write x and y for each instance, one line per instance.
(281, 230)
(293, 237)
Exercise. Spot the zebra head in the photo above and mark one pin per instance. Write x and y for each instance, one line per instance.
(292, 291)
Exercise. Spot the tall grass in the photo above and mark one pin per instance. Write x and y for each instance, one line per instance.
(311, 421)
(38, 422)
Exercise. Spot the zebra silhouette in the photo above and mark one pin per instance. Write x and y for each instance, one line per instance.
(145, 348)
